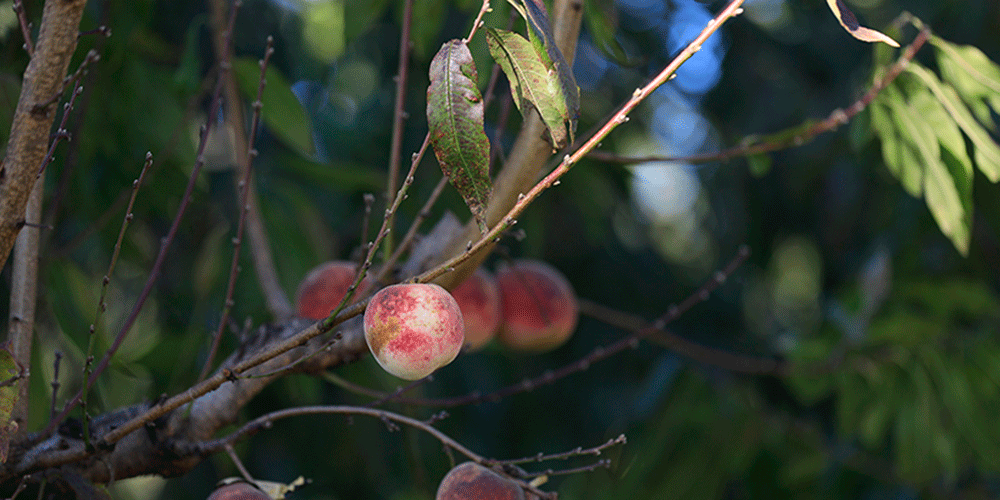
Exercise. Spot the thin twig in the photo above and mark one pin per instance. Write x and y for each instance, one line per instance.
(244, 196)
(411, 234)
(399, 115)
(787, 139)
(236, 461)
(61, 132)
(165, 243)
(260, 247)
(479, 20)
(22, 19)
(541, 457)
(266, 421)
(55, 384)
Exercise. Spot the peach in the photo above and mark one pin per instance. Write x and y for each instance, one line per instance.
(238, 491)
(413, 329)
(325, 286)
(540, 310)
(471, 481)
(479, 299)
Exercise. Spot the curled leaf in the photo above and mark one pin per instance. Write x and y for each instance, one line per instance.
(850, 23)
(455, 119)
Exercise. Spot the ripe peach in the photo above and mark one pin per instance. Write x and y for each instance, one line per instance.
(540, 310)
(413, 329)
(325, 286)
(479, 299)
(471, 481)
(238, 491)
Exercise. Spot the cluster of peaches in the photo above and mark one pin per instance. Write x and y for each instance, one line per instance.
(414, 329)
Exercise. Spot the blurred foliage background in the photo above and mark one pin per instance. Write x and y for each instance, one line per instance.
(891, 333)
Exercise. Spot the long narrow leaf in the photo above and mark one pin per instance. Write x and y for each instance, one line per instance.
(987, 152)
(455, 119)
(531, 84)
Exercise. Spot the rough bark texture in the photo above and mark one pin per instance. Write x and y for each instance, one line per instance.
(36, 110)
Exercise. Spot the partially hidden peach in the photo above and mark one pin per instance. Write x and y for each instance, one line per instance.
(325, 286)
(479, 298)
(471, 481)
(238, 491)
(413, 329)
(540, 310)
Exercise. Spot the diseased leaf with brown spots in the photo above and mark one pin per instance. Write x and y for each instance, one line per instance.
(850, 23)
(542, 39)
(455, 119)
(531, 84)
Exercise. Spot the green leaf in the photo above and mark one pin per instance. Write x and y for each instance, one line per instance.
(542, 39)
(940, 187)
(987, 152)
(897, 153)
(531, 84)
(850, 23)
(282, 112)
(974, 76)
(8, 397)
(455, 119)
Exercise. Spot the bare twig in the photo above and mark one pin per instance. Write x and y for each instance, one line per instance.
(266, 421)
(789, 138)
(22, 19)
(399, 115)
(411, 233)
(244, 197)
(541, 457)
(55, 384)
(237, 462)
(260, 248)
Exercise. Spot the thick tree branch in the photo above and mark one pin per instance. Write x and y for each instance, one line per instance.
(29, 133)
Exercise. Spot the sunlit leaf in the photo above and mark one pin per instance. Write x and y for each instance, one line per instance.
(531, 84)
(282, 112)
(542, 39)
(850, 23)
(987, 152)
(940, 188)
(974, 77)
(455, 118)
(897, 152)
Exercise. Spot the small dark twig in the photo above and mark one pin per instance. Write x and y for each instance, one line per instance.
(55, 384)
(72, 79)
(237, 462)
(244, 184)
(22, 19)
(399, 114)
(411, 233)
(595, 451)
(61, 132)
(266, 421)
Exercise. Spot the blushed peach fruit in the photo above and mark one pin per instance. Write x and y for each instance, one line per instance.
(413, 329)
(238, 491)
(479, 298)
(325, 286)
(539, 306)
(471, 481)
